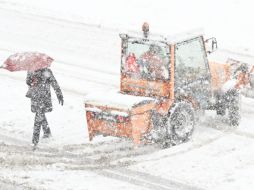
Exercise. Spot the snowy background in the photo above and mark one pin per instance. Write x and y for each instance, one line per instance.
(83, 38)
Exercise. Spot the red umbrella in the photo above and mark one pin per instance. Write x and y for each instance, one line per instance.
(27, 61)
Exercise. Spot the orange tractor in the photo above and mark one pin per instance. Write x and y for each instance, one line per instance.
(164, 82)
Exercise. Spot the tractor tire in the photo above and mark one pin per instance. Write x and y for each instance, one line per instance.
(234, 108)
(220, 109)
(220, 106)
(181, 121)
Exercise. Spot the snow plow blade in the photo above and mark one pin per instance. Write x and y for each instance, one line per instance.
(119, 115)
(237, 62)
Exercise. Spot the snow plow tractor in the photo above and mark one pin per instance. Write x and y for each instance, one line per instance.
(164, 82)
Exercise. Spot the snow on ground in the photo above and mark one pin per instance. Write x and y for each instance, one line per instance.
(83, 39)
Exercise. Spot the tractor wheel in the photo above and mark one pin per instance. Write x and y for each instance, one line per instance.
(180, 123)
(234, 107)
(221, 110)
(220, 106)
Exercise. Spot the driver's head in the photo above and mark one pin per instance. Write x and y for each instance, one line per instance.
(154, 49)
(244, 68)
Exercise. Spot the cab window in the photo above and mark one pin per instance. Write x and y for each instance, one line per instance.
(191, 63)
(148, 60)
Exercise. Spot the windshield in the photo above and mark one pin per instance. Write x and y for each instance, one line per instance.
(146, 60)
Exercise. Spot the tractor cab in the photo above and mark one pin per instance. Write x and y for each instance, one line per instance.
(167, 68)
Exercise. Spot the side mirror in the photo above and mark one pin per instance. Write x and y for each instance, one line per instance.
(211, 45)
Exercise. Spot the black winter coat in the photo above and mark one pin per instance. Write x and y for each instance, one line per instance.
(39, 90)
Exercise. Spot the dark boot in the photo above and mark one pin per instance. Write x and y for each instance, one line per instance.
(47, 133)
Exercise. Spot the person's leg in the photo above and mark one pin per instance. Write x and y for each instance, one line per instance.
(37, 128)
(45, 127)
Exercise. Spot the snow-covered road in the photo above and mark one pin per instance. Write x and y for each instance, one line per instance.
(87, 58)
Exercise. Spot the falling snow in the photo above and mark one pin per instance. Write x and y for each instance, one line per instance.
(95, 70)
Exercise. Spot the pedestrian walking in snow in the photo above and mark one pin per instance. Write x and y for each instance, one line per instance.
(39, 83)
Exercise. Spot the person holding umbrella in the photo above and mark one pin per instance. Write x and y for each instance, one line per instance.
(39, 83)
(39, 79)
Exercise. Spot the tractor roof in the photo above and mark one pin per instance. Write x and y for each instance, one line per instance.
(169, 39)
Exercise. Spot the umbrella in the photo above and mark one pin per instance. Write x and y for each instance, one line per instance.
(27, 61)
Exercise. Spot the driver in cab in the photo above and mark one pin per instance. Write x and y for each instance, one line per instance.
(152, 62)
